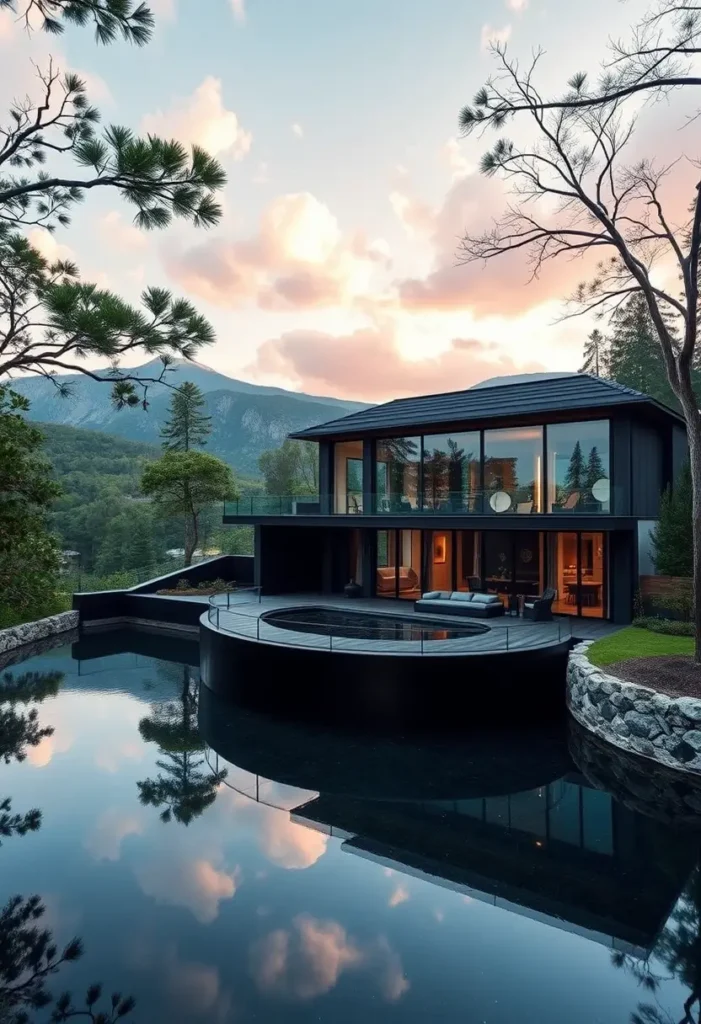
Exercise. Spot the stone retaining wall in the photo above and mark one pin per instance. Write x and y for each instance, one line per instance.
(641, 784)
(633, 717)
(29, 632)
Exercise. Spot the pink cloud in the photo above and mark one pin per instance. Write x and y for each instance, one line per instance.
(202, 119)
(502, 286)
(399, 895)
(298, 259)
(104, 842)
(308, 960)
(369, 364)
(416, 217)
(239, 9)
(194, 883)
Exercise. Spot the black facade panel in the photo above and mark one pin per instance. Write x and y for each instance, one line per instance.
(290, 563)
(647, 469)
(622, 576)
(621, 466)
(680, 451)
(326, 484)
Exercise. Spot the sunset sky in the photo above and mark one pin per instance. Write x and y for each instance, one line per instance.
(333, 269)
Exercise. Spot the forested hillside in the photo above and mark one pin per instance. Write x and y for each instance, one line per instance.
(247, 419)
(102, 514)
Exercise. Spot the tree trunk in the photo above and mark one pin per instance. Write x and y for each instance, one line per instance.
(191, 538)
(693, 426)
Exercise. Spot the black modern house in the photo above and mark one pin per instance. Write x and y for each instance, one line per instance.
(512, 486)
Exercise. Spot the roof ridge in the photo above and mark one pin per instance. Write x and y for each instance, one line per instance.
(615, 385)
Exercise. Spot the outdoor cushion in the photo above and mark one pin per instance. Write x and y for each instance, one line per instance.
(459, 596)
(431, 596)
(486, 599)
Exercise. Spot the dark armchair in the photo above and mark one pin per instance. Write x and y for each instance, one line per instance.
(540, 610)
(474, 584)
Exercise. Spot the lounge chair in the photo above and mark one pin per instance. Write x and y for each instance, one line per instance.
(540, 610)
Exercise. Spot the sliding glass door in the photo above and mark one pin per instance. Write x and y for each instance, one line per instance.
(577, 573)
(399, 564)
(513, 564)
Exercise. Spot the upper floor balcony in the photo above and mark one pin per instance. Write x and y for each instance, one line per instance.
(495, 501)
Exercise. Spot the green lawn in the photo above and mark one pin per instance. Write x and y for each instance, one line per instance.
(637, 643)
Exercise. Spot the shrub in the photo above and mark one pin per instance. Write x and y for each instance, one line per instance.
(670, 627)
(680, 605)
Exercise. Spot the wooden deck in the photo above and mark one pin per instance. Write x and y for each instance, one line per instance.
(243, 618)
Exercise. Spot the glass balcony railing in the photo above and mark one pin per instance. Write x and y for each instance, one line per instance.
(274, 505)
(595, 500)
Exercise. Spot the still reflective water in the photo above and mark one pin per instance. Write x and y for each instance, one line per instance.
(245, 870)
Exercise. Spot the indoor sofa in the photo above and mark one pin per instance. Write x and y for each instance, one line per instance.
(482, 606)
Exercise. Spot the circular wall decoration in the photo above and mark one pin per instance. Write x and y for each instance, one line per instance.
(602, 490)
(500, 501)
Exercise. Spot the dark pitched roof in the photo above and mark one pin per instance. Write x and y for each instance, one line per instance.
(577, 391)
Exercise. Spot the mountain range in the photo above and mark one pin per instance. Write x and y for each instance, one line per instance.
(247, 418)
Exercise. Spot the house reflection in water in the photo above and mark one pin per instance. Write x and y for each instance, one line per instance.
(564, 853)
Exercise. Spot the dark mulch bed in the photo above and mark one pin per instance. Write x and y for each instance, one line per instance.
(677, 675)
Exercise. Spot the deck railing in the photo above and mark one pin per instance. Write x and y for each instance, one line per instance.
(488, 502)
(226, 614)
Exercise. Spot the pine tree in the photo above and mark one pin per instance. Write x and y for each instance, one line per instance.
(187, 426)
(672, 537)
(596, 355)
(595, 468)
(186, 786)
(574, 481)
(635, 356)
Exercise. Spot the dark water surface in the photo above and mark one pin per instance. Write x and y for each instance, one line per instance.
(365, 626)
(293, 876)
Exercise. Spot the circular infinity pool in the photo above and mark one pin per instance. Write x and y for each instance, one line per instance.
(367, 626)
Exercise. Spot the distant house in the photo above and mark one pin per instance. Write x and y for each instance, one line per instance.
(514, 485)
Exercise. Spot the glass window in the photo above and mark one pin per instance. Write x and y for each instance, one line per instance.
(348, 477)
(597, 820)
(451, 476)
(529, 811)
(469, 562)
(397, 474)
(578, 467)
(513, 466)
(564, 816)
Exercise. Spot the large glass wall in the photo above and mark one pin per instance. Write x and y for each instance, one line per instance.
(451, 472)
(513, 469)
(348, 477)
(516, 564)
(563, 811)
(578, 467)
(505, 470)
(398, 462)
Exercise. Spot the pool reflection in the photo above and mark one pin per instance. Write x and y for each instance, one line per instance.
(488, 880)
